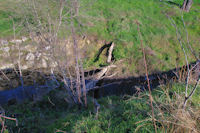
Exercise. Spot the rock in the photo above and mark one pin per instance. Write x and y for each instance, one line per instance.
(24, 38)
(29, 64)
(16, 41)
(53, 64)
(38, 55)
(44, 63)
(88, 42)
(4, 55)
(47, 47)
(20, 54)
(5, 66)
(24, 67)
(14, 47)
(30, 57)
(5, 49)
(30, 48)
(4, 42)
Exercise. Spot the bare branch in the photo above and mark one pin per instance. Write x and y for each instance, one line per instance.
(193, 90)
(180, 42)
(187, 37)
(146, 71)
(110, 52)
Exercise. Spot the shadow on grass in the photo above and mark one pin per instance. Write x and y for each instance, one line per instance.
(172, 3)
(131, 85)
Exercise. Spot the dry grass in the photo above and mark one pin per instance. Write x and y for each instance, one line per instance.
(174, 118)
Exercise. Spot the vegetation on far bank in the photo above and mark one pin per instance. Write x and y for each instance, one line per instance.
(99, 21)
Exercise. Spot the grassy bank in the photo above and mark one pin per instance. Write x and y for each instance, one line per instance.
(116, 114)
(118, 23)
(10, 18)
(115, 20)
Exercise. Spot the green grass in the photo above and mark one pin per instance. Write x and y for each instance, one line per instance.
(180, 89)
(5, 24)
(115, 20)
(10, 13)
(116, 114)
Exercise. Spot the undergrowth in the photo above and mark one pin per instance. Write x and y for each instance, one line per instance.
(116, 114)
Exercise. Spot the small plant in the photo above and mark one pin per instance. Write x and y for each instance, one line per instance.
(3, 118)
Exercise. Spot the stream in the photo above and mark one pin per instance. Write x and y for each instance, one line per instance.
(103, 87)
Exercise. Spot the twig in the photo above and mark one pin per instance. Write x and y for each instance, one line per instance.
(3, 121)
(192, 92)
(187, 37)
(5, 75)
(146, 71)
(60, 17)
(188, 70)
(83, 83)
(51, 101)
(76, 54)
(103, 71)
(97, 107)
(60, 131)
(69, 89)
(9, 118)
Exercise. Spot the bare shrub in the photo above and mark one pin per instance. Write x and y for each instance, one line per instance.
(50, 25)
(176, 119)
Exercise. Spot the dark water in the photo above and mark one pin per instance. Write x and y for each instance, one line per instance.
(102, 88)
(22, 93)
(131, 85)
